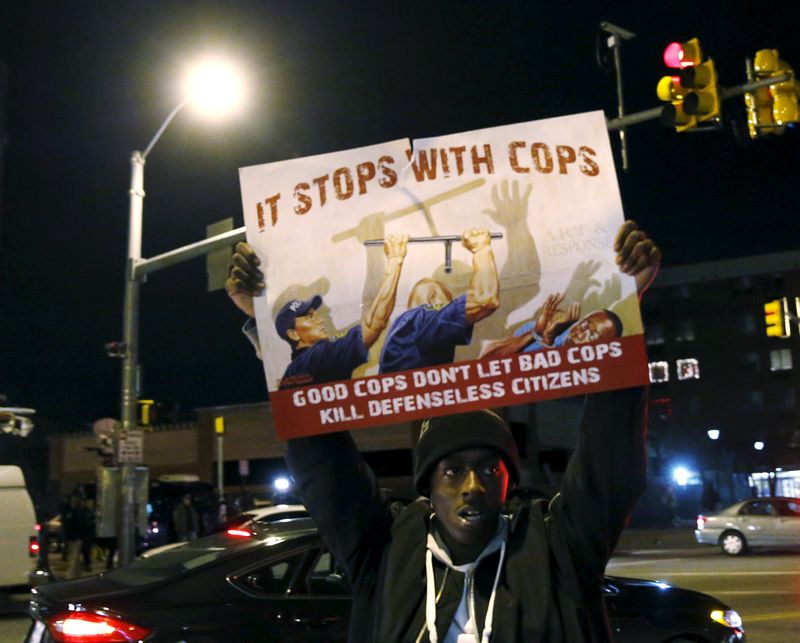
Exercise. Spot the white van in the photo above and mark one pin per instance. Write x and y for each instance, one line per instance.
(17, 527)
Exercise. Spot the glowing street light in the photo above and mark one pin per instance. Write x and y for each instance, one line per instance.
(758, 445)
(281, 484)
(681, 476)
(713, 434)
(215, 89)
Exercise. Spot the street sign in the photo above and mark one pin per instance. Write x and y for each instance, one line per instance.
(131, 447)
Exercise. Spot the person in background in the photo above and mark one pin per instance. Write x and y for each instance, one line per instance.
(184, 519)
(77, 524)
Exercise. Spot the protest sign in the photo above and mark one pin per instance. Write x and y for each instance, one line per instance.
(502, 290)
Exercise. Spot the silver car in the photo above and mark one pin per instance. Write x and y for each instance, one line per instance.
(758, 522)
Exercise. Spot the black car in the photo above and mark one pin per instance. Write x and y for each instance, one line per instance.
(278, 583)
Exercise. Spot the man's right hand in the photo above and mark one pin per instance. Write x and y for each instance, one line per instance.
(245, 280)
(395, 246)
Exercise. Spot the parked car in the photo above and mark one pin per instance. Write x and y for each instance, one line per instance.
(278, 583)
(245, 520)
(758, 522)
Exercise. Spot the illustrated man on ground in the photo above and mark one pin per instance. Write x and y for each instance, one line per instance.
(557, 325)
(317, 357)
(428, 332)
(451, 566)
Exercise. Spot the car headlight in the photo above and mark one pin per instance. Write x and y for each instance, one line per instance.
(729, 618)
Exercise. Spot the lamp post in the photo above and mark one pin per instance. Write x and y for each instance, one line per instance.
(213, 87)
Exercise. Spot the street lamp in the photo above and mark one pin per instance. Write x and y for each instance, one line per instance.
(713, 434)
(214, 88)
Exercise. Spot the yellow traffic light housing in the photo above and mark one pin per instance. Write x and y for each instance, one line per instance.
(144, 413)
(770, 109)
(691, 91)
(776, 318)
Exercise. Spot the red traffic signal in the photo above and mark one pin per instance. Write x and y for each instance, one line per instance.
(678, 55)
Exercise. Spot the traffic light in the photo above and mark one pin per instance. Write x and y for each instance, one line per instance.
(770, 109)
(219, 425)
(145, 416)
(776, 318)
(691, 90)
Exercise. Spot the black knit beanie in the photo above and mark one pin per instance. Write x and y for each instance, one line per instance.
(441, 436)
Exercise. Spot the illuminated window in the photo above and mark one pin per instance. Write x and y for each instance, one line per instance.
(688, 369)
(780, 360)
(659, 372)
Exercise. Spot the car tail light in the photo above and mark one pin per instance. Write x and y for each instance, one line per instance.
(239, 533)
(33, 546)
(701, 521)
(85, 627)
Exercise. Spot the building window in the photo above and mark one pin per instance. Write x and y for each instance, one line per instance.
(688, 369)
(746, 324)
(774, 284)
(654, 335)
(684, 331)
(694, 405)
(743, 286)
(787, 399)
(681, 292)
(659, 372)
(750, 361)
(753, 401)
(780, 360)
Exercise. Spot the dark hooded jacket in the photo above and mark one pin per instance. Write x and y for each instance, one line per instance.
(551, 585)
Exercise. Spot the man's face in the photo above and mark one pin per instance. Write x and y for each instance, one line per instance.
(596, 326)
(468, 490)
(308, 329)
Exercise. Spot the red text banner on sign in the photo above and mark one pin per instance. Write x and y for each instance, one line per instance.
(464, 386)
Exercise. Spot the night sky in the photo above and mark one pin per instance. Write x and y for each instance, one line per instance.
(91, 81)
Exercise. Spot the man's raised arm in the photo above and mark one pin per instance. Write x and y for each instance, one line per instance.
(380, 310)
(483, 292)
(607, 472)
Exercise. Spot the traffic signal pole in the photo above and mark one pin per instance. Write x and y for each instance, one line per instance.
(725, 92)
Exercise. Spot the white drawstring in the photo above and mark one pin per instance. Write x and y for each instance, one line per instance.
(430, 599)
(487, 625)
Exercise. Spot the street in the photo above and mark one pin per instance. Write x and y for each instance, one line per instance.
(764, 587)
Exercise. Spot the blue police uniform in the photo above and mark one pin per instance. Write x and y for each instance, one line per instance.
(328, 360)
(426, 336)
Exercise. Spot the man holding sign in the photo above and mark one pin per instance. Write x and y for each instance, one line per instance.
(452, 566)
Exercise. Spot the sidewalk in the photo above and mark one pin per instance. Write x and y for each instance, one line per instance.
(58, 566)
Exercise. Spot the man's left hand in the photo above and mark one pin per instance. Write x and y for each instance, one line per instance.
(476, 239)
